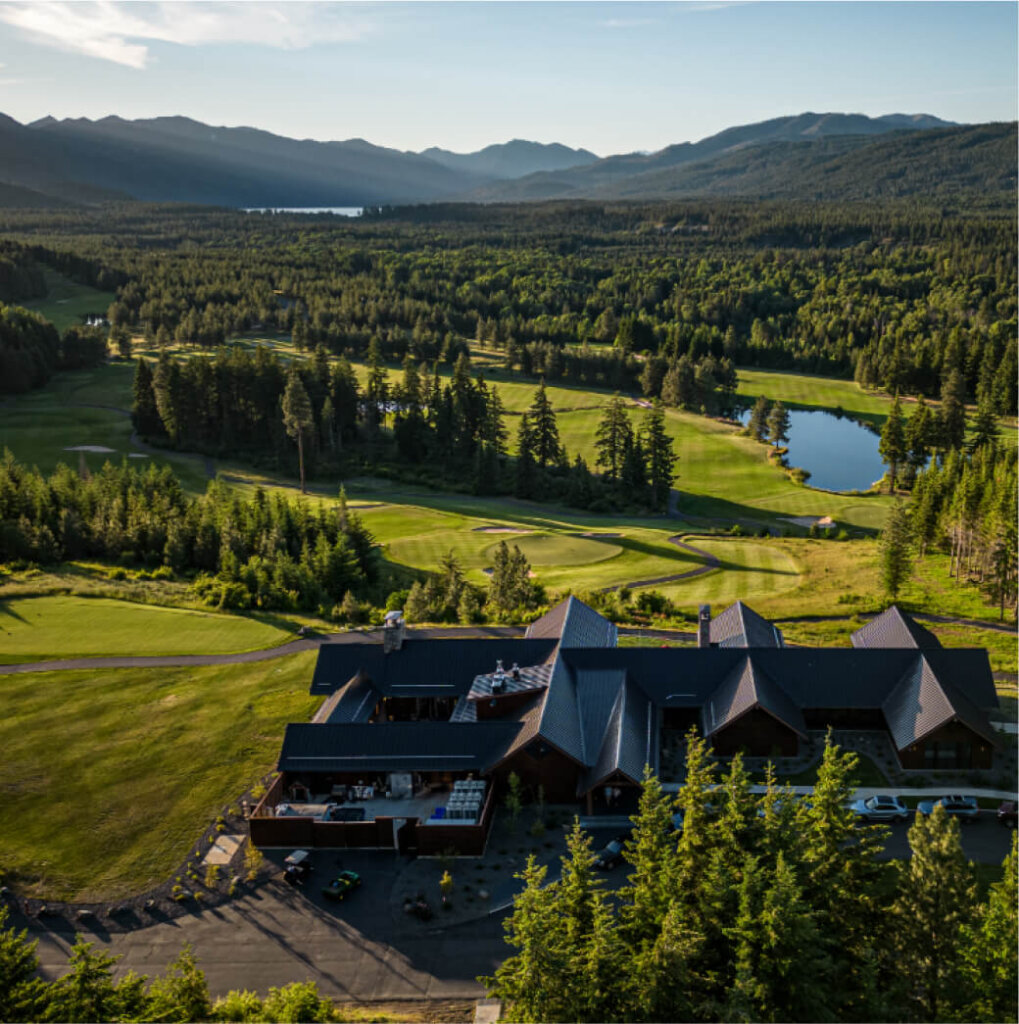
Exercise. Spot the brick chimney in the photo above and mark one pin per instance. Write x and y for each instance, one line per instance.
(704, 626)
(393, 631)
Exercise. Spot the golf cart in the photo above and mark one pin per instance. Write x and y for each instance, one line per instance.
(344, 882)
(297, 867)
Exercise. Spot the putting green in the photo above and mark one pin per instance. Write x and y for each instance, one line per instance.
(559, 549)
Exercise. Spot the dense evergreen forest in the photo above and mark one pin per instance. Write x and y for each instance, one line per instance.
(762, 907)
(897, 294)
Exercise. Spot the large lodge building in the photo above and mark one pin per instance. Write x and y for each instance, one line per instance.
(415, 737)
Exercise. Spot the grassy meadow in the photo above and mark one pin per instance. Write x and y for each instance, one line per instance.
(109, 776)
(67, 302)
(69, 626)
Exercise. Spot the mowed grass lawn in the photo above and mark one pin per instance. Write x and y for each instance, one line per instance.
(67, 302)
(64, 626)
(799, 390)
(39, 427)
(110, 776)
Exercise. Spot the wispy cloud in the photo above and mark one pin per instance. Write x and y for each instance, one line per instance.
(626, 22)
(122, 32)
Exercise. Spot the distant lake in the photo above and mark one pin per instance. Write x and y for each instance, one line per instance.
(339, 211)
(837, 452)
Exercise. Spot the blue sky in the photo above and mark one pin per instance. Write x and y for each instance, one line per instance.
(613, 77)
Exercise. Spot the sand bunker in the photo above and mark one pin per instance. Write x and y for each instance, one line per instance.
(499, 529)
(90, 448)
(597, 536)
(137, 455)
(824, 522)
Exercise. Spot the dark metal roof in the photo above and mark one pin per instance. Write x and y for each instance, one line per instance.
(396, 746)
(423, 668)
(598, 693)
(353, 702)
(745, 688)
(575, 624)
(740, 626)
(923, 702)
(560, 719)
(894, 628)
(812, 677)
(629, 741)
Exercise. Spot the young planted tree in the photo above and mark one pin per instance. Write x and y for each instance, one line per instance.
(298, 418)
(892, 447)
(896, 550)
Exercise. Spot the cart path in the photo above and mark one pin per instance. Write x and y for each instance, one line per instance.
(242, 657)
(711, 562)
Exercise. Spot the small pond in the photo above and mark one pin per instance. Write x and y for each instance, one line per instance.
(838, 452)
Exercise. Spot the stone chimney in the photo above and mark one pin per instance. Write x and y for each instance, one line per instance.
(393, 631)
(704, 626)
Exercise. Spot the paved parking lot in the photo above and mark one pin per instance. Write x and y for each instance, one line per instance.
(354, 949)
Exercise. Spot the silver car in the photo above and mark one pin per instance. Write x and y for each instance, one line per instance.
(880, 808)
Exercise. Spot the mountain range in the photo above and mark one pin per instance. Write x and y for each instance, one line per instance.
(176, 159)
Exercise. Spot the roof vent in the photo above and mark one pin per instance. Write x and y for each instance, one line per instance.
(499, 678)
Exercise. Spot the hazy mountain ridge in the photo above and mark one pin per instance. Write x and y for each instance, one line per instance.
(512, 159)
(807, 155)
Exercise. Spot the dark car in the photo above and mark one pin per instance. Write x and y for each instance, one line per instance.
(611, 855)
(1007, 813)
(344, 882)
(965, 808)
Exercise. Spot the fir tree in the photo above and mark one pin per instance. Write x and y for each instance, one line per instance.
(757, 425)
(892, 447)
(298, 418)
(778, 424)
(661, 458)
(952, 416)
(144, 413)
(933, 912)
(545, 446)
(896, 557)
(612, 437)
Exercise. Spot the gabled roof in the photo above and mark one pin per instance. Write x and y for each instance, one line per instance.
(423, 668)
(923, 702)
(628, 743)
(560, 719)
(575, 624)
(894, 628)
(745, 688)
(740, 626)
(396, 746)
(351, 703)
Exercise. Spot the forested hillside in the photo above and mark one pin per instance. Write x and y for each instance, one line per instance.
(896, 294)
